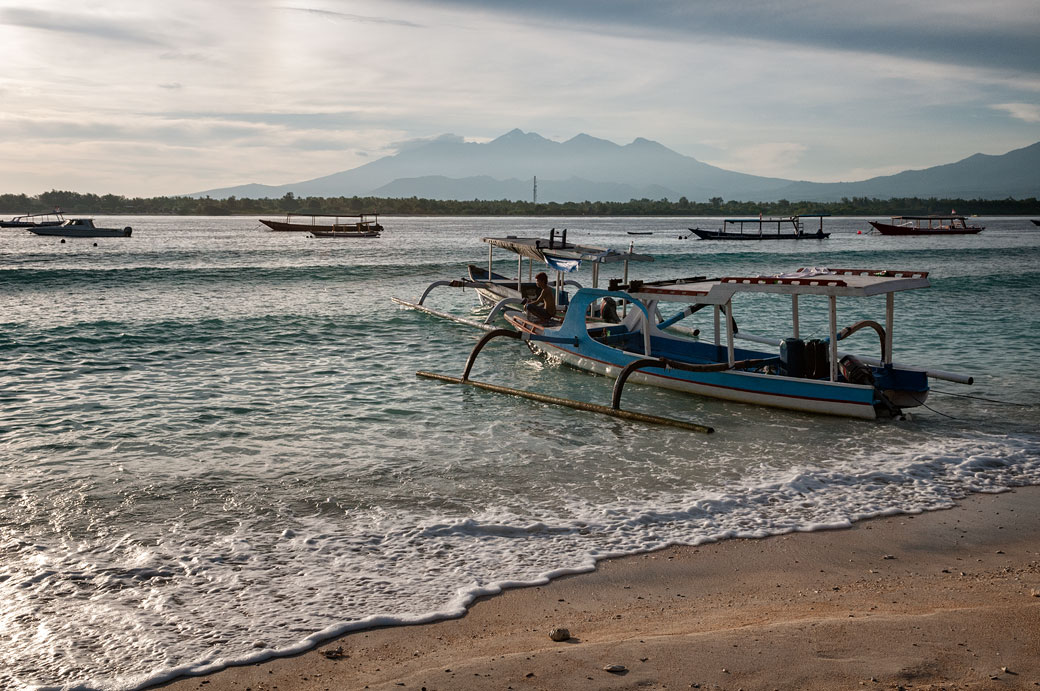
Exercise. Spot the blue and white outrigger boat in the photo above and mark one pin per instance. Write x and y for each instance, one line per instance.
(811, 376)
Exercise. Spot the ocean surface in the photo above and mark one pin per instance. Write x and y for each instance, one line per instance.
(214, 448)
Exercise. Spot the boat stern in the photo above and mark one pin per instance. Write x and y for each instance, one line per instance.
(903, 388)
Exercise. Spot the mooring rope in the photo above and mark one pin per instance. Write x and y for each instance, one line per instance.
(980, 398)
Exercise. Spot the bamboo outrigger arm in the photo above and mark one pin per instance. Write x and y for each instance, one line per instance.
(664, 363)
(555, 400)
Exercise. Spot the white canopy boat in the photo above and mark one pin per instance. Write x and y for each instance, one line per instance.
(809, 376)
(48, 218)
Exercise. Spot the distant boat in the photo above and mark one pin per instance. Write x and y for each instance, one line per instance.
(49, 218)
(927, 225)
(319, 225)
(640, 232)
(81, 228)
(787, 228)
(345, 232)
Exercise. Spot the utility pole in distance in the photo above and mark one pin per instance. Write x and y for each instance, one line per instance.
(535, 189)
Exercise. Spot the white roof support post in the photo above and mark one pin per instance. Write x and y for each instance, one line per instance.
(519, 273)
(794, 313)
(646, 334)
(890, 309)
(834, 337)
(491, 251)
(729, 333)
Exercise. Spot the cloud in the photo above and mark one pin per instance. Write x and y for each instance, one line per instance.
(997, 33)
(1027, 112)
(423, 141)
(771, 159)
(78, 24)
(343, 16)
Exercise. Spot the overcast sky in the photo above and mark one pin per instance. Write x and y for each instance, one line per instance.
(153, 97)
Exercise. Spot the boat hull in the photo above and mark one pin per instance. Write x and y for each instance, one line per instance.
(889, 229)
(72, 232)
(345, 233)
(283, 227)
(721, 235)
(808, 396)
(28, 224)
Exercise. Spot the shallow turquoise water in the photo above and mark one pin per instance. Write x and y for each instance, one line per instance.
(214, 448)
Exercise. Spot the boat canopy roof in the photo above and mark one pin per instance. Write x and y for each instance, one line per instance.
(540, 250)
(952, 217)
(37, 215)
(361, 216)
(806, 281)
(772, 219)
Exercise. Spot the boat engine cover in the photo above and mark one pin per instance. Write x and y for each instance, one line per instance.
(792, 357)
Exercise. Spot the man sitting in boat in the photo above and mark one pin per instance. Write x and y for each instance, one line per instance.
(543, 308)
(608, 311)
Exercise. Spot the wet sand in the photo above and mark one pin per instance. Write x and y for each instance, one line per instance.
(942, 600)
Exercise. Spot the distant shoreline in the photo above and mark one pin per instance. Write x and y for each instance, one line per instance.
(73, 203)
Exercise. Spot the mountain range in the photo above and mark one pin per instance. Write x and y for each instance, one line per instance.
(586, 168)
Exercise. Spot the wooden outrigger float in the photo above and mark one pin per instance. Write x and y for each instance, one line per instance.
(614, 410)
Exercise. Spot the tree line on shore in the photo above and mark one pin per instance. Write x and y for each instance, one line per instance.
(110, 204)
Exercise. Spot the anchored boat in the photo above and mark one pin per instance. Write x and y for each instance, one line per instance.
(782, 228)
(49, 218)
(927, 225)
(500, 292)
(810, 376)
(329, 225)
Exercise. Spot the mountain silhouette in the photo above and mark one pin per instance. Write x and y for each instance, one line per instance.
(585, 168)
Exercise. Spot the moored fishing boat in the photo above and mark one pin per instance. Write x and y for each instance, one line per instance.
(47, 218)
(348, 232)
(498, 291)
(809, 376)
(927, 225)
(329, 225)
(786, 228)
(81, 228)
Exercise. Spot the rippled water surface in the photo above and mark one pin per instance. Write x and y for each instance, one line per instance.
(214, 447)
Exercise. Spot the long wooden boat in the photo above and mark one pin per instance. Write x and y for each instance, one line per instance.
(362, 225)
(777, 228)
(81, 228)
(927, 225)
(348, 232)
(49, 218)
(809, 376)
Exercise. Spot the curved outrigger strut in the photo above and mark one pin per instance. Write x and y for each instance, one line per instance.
(614, 410)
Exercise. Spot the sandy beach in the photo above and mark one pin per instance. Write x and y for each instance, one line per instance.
(942, 600)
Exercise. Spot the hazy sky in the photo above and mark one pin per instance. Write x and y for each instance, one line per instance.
(152, 97)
